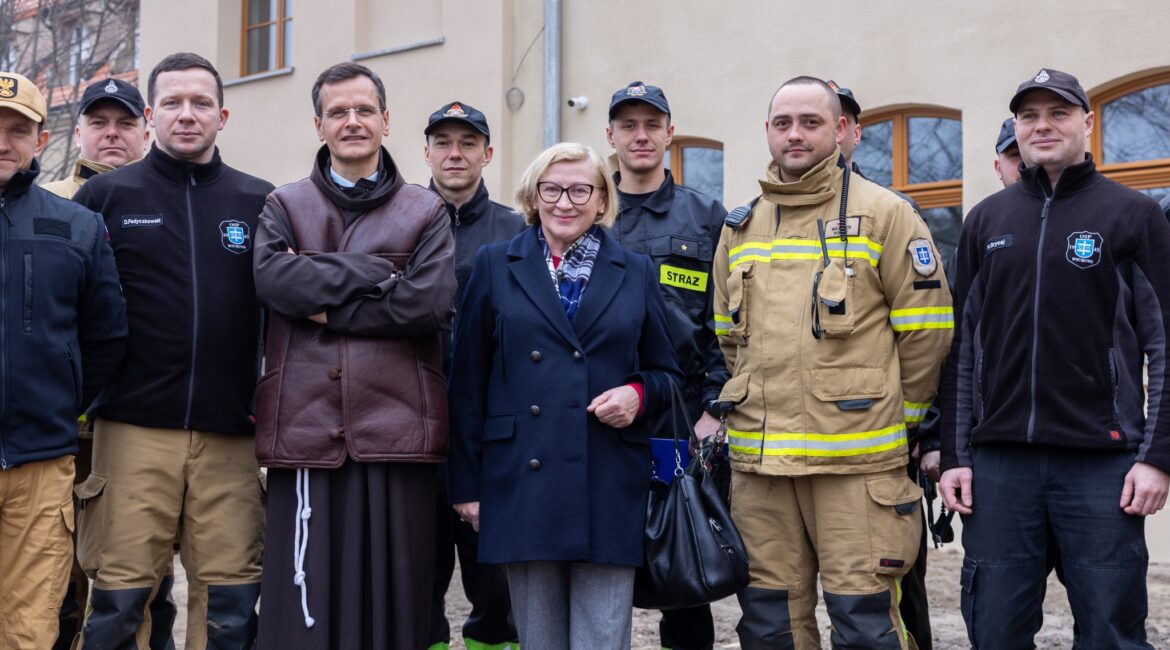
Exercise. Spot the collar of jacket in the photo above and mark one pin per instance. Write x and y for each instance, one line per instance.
(389, 181)
(84, 169)
(659, 201)
(475, 207)
(180, 171)
(1072, 179)
(22, 180)
(818, 184)
(527, 244)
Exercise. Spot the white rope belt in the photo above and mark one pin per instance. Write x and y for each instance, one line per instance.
(301, 541)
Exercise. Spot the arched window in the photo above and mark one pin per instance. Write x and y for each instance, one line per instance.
(1131, 139)
(919, 152)
(698, 164)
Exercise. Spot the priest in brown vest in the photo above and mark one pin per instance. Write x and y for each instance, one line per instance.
(355, 269)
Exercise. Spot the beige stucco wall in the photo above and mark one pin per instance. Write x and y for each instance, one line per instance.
(718, 63)
(270, 126)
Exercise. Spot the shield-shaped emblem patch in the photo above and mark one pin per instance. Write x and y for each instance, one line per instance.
(235, 236)
(1084, 249)
(922, 256)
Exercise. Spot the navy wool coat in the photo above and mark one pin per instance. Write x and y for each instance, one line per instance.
(553, 482)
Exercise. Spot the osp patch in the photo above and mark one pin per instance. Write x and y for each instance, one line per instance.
(922, 256)
(235, 236)
(1084, 249)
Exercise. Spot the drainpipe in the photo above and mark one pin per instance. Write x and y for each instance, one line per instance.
(552, 72)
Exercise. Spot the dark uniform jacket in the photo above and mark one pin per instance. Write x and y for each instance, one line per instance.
(369, 384)
(1059, 293)
(182, 238)
(62, 319)
(475, 224)
(478, 222)
(679, 229)
(553, 482)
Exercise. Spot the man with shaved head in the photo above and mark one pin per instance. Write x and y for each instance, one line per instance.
(842, 276)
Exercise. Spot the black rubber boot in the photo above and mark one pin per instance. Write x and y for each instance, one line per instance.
(115, 618)
(863, 622)
(766, 624)
(162, 616)
(231, 616)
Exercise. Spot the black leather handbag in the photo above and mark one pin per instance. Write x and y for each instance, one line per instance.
(694, 554)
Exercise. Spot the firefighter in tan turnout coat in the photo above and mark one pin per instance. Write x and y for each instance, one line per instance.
(834, 317)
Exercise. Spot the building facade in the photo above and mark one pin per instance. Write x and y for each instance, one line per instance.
(934, 80)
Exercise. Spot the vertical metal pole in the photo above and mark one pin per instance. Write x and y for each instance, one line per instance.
(552, 72)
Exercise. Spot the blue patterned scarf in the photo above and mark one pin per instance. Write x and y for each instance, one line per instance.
(572, 276)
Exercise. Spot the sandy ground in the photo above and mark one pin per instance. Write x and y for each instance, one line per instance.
(942, 587)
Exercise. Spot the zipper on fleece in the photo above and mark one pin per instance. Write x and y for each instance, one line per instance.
(3, 331)
(1036, 319)
(194, 302)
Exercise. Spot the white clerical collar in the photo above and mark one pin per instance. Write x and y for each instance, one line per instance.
(341, 181)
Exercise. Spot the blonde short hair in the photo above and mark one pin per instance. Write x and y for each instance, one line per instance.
(526, 194)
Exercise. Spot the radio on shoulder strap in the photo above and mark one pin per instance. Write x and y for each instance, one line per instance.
(738, 218)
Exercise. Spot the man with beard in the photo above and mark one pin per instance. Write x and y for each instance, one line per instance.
(834, 316)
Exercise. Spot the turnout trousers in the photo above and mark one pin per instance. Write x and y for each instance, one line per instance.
(860, 533)
(148, 488)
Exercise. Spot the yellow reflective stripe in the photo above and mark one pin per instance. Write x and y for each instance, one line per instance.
(804, 249)
(915, 412)
(818, 444)
(901, 621)
(722, 324)
(922, 318)
(804, 243)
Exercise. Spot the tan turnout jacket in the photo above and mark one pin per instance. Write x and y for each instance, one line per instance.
(841, 403)
(83, 170)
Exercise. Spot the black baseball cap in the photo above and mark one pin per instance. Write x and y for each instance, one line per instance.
(848, 101)
(636, 91)
(1062, 83)
(459, 112)
(114, 90)
(1007, 136)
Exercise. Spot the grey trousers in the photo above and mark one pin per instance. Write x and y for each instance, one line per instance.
(571, 605)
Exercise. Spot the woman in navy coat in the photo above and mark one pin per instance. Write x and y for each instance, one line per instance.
(561, 354)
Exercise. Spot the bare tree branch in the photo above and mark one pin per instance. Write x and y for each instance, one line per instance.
(63, 46)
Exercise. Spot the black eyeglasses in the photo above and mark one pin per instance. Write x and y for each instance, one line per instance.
(579, 193)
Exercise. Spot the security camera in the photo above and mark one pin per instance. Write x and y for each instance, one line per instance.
(580, 102)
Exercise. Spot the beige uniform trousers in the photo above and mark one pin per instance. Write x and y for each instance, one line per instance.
(859, 532)
(150, 487)
(36, 548)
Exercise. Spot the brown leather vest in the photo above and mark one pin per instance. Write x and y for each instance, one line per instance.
(323, 395)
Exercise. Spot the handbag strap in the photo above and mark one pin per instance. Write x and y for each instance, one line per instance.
(678, 408)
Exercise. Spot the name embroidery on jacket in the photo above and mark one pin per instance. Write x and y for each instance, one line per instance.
(141, 220)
